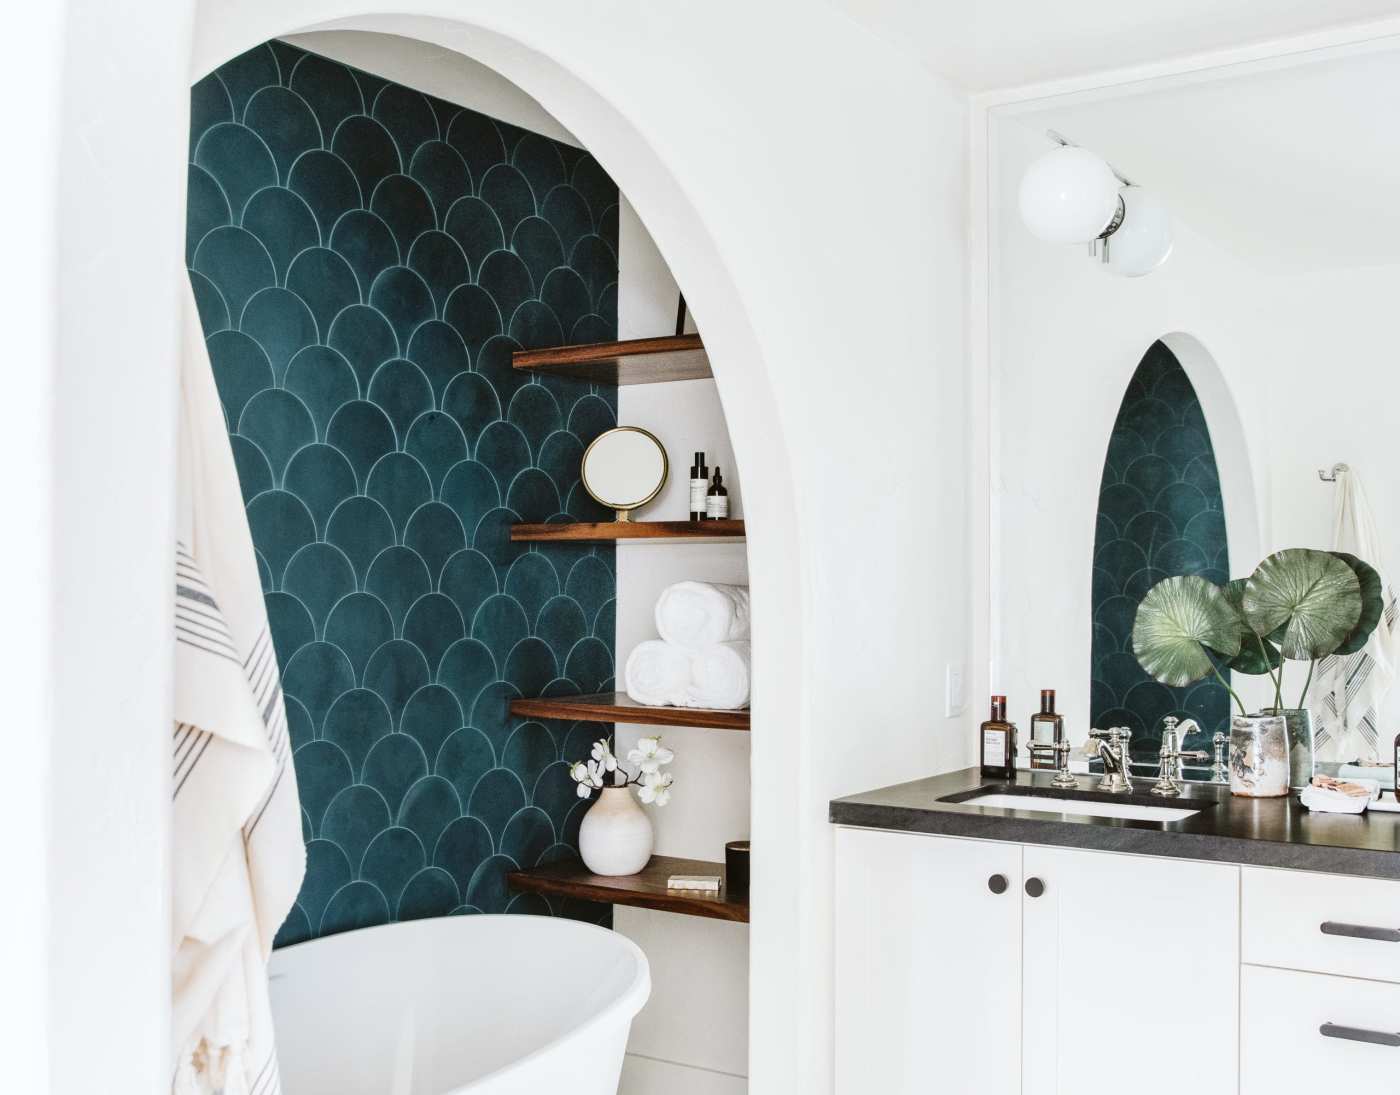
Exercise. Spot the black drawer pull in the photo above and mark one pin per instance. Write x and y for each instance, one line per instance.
(997, 883)
(1356, 1034)
(1361, 931)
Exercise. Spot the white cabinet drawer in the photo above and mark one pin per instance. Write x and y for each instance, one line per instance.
(1282, 1044)
(1326, 923)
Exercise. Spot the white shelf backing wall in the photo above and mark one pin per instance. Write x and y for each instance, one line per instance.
(692, 1038)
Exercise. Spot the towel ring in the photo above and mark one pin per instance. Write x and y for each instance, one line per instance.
(1329, 475)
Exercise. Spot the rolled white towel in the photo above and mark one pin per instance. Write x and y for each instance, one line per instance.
(658, 674)
(719, 676)
(697, 614)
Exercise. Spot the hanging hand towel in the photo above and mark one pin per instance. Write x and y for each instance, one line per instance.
(1347, 695)
(698, 614)
(237, 852)
(658, 674)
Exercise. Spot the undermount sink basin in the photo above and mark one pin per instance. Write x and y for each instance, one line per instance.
(1061, 804)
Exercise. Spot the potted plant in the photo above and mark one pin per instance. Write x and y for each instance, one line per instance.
(1298, 605)
(1305, 605)
(616, 837)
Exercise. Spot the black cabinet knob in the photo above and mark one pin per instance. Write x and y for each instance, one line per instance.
(997, 883)
(1034, 887)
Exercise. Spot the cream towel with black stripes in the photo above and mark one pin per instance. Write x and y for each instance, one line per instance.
(237, 852)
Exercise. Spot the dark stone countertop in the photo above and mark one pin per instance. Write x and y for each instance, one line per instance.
(1268, 832)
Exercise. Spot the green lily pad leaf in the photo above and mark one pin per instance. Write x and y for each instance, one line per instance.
(1312, 595)
(1176, 621)
(1372, 603)
(1257, 656)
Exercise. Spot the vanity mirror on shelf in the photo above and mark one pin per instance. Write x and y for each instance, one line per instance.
(624, 469)
(1189, 416)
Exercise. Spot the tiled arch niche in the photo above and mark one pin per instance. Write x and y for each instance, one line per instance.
(1160, 513)
(365, 258)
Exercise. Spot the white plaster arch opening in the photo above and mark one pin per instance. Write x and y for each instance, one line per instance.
(1234, 464)
(746, 390)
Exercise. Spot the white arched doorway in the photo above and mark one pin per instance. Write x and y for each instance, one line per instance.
(795, 278)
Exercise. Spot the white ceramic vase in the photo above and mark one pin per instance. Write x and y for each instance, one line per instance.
(615, 837)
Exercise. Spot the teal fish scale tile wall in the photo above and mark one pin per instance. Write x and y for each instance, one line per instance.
(1160, 514)
(365, 258)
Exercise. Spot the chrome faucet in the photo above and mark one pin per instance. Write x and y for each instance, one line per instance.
(1171, 757)
(1111, 746)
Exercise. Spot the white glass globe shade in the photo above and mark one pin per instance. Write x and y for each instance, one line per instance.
(1144, 239)
(1068, 196)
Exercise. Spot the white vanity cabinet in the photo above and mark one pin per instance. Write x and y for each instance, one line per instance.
(1088, 973)
(1321, 985)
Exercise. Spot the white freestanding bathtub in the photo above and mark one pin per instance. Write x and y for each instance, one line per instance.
(492, 1005)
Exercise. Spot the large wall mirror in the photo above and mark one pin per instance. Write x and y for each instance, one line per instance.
(1176, 423)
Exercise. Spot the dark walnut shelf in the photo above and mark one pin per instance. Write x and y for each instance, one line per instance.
(696, 532)
(636, 361)
(619, 707)
(646, 890)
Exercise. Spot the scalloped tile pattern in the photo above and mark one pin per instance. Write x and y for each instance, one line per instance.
(365, 258)
(1160, 514)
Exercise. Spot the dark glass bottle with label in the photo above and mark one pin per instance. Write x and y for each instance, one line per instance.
(1046, 728)
(717, 501)
(998, 743)
(699, 484)
(1395, 757)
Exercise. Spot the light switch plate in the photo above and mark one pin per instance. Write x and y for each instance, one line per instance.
(955, 691)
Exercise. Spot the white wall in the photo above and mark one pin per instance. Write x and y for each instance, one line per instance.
(699, 967)
(1292, 374)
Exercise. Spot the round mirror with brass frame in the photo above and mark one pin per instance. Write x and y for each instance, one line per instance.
(624, 468)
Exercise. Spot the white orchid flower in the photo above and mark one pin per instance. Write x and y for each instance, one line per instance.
(600, 750)
(584, 790)
(656, 788)
(579, 772)
(650, 755)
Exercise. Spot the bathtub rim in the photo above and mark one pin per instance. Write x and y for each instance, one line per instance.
(622, 1009)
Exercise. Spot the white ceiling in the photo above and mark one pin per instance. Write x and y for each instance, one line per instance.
(985, 44)
(1294, 169)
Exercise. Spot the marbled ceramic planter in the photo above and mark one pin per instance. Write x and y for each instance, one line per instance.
(1259, 756)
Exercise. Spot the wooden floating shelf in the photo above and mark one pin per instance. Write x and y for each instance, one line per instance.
(636, 361)
(696, 532)
(619, 707)
(646, 890)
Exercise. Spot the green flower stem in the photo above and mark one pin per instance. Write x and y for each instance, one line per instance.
(1238, 702)
(1303, 699)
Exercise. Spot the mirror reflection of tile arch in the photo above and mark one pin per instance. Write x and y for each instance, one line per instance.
(365, 259)
(1160, 513)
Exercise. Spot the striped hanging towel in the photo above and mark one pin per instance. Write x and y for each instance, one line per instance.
(237, 852)
(1346, 698)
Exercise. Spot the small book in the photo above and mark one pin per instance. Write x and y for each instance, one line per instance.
(706, 883)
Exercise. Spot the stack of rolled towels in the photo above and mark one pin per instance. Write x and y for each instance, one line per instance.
(702, 657)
